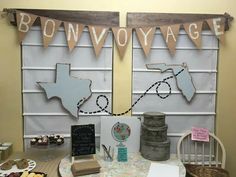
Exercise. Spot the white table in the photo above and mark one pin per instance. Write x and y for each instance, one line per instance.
(136, 166)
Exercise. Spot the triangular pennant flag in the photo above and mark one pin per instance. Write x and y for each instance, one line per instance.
(145, 36)
(98, 35)
(73, 33)
(217, 26)
(194, 31)
(24, 22)
(122, 37)
(49, 29)
(170, 34)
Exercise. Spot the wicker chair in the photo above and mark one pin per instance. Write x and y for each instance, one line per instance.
(210, 153)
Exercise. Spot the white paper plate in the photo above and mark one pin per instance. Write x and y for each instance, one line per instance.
(32, 165)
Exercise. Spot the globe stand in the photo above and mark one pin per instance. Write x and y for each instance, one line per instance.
(120, 145)
(122, 154)
(120, 133)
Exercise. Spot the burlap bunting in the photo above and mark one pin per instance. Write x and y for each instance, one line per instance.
(122, 35)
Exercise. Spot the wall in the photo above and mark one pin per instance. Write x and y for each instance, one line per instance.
(10, 77)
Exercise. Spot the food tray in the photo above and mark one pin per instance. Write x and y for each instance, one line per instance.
(19, 174)
(32, 165)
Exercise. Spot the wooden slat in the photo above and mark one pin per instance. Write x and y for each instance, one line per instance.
(203, 154)
(210, 154)
(103, 18)
(189, 149)
(195, 151)
(160, 19)
(217, 154)
(183, 152)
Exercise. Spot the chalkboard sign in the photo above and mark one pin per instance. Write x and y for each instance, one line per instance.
(82, 140)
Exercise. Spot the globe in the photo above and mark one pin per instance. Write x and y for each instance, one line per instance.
(120, 132)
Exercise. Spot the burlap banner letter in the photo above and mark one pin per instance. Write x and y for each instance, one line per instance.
(145, 36)
(170, 34)
(49, 29)
(24, 22)
(217, 26)
(122, 37)
(194, 31)
(98, 35)
(73, 33)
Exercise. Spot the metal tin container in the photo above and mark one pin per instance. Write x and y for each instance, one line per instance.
(154, 119)
(157, 134)
(156, 151)
(4, 154)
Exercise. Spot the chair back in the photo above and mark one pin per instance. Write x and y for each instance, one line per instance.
(210, 153)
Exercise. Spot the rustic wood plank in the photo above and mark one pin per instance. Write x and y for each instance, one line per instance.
(103, 18)
(160, 19)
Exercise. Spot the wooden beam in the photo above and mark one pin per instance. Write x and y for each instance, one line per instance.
(160, 19)
(103, 18)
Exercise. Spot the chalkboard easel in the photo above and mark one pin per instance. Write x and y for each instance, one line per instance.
(82, 141)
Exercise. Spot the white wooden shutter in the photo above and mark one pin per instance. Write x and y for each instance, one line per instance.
(202, 64)
(42, 116)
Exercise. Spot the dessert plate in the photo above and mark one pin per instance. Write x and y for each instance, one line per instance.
(32, 165)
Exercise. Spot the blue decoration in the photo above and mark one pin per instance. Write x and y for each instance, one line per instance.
(182, 77)
(72, 91)
(122, 154)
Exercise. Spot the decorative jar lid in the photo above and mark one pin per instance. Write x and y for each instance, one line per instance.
(153, 114)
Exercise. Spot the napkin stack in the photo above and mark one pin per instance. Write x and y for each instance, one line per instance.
(85, 167)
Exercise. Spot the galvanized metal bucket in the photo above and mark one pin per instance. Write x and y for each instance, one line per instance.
(158, 134)
(156, 151)
(154, 119)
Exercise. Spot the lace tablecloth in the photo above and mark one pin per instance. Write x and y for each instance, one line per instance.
(136, 166)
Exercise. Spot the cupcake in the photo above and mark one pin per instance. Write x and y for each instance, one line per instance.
(60, 141)
(33, 141)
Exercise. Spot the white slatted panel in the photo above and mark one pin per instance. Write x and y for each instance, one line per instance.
(43, 116)
(202, 64)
